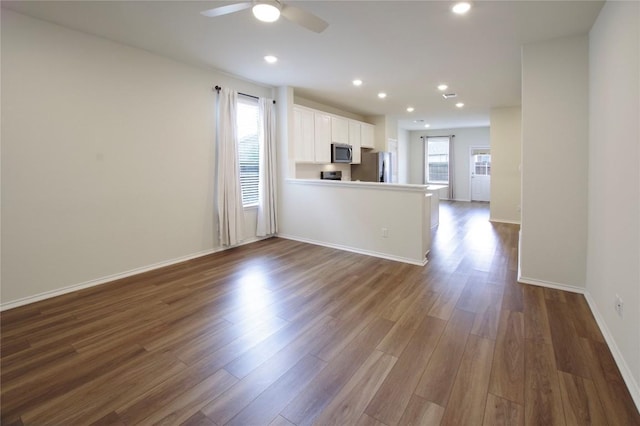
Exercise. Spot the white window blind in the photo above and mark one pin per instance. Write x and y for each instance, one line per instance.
(248, 149)
(437, 160)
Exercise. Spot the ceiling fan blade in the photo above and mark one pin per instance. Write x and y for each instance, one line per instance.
(304, 18)
(225, 10)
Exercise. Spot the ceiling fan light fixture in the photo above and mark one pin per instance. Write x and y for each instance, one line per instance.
(461, 8)
(266, 12)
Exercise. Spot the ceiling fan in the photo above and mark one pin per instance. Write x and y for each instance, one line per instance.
(270, 11)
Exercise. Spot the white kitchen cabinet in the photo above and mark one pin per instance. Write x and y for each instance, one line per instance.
(322, 138)
(339, 130)
(367, 139)
(354, 140)
(304, 135)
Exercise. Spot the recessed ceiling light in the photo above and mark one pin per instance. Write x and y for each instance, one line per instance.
(442, 87)
(357, 82)
(427, 125)
(271, 59)
(410, 109)
(266, 12)
(460, 104)
(461, 8)
(382, 95)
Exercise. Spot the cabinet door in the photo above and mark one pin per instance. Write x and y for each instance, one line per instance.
(367, 139)
(339, 130)
(303, 134)
(354, 140)
(322, 138)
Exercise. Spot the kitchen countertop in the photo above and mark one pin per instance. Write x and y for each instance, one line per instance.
(364, 185)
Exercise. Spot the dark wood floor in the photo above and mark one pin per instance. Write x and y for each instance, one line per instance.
(279, 332)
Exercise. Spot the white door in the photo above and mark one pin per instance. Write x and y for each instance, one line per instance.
(480, 174)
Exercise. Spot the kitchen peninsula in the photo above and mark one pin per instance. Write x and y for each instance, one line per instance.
(387, 220)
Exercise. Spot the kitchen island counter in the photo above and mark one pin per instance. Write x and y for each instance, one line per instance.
(386, 220)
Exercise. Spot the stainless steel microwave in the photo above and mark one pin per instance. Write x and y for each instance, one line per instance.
(341, 153)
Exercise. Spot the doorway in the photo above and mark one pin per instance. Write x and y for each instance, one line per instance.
(480, 162)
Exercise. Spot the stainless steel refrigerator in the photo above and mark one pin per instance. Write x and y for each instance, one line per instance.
(374, 167)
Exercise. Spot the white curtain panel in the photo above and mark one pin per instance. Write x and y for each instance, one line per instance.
(267, 220)
(452, 169)
(228, 190)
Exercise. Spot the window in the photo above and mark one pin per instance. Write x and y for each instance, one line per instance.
(437, 160)
(248, 150)
(482, 164)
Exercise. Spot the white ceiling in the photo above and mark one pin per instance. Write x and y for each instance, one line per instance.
(405, 48)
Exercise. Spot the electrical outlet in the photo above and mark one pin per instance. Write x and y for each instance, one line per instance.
(384, 232)
(619, 305)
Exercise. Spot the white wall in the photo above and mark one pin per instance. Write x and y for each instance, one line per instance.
(465, 139)
(351, 216)
(613, 259)
(403, 155)
(506, 136)
(107, 161)
(554, 161)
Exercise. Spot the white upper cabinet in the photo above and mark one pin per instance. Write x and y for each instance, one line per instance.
(339, 129)
(367, 139)
(322, 138)
(354, 140)
(314, 131)
(303, 135)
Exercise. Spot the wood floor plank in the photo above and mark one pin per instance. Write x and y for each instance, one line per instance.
(173, 402)
(543, 401)
(566, 342)
(229, 404)
(349, 404)
(512, 299)
(421, 412)
(265, 408)
(392, 398)
(580, 400)
(502, 412)
(536, 321)
(507, 372)
(615, 398)
(583, 320)
(281, 421)
(106, 392)
(486, 321)
(198, 419)
(437, 380)
(469, 394)
(309, 404)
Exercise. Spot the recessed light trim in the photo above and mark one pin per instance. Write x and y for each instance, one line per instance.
(266, 12)
(461, 8)
(271, 59)
(357, 82)
(460, 104)
(382, 95)
(410, 109)
(426, 126)
(442, 87)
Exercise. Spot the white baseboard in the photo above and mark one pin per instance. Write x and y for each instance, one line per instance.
(625, 371)
(550, 284)
(109, 278)
(511, 222)
(354, 250)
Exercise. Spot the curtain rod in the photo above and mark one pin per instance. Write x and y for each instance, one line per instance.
(218, 88)
(438, 136)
